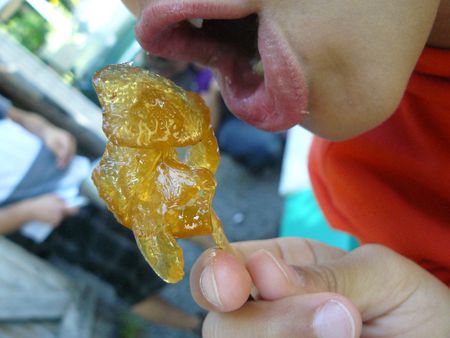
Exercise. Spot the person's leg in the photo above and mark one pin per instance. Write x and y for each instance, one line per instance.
(255, 148)
(159, 311)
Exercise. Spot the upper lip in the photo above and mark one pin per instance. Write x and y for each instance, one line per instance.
(165, 15)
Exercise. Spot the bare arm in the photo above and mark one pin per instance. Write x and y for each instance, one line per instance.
(32, 122)
(12, 217)
(49, 209)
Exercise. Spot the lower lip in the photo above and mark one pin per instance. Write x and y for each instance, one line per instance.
(279, 102)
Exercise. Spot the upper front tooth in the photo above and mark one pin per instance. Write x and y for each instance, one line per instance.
(258, 68)
(196, 22)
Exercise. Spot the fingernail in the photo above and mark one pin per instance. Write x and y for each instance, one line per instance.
(208, 285)
(292, 276)
(333, 320)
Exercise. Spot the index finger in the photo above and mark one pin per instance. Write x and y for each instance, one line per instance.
(220, 281)
(292, 250)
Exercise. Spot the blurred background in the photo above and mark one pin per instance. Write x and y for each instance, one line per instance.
(49, 51)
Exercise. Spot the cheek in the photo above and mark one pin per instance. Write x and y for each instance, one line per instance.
(347, 96)
(349, 92)
(342, 112)
(357, 58)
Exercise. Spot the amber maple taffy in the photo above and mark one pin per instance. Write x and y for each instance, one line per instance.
(141, 177)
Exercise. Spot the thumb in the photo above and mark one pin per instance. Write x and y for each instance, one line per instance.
(371, 277)
(320, 315)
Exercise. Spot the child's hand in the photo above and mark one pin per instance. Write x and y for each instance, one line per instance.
(61, 143)
(307, 289)
(49, 208)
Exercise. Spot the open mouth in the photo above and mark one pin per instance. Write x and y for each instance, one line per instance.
(261, 80)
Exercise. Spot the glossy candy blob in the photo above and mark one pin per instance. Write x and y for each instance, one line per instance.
(141, 176)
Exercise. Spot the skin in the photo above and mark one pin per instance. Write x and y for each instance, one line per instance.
(357, 73)
(357, 57)
(48, 209)
(384, 294)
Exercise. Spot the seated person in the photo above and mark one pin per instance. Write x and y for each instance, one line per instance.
(39, 175)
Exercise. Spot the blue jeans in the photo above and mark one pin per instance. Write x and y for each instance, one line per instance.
(254, 148)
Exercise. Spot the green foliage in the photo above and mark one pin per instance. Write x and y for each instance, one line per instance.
(69, 4)
(28, 28)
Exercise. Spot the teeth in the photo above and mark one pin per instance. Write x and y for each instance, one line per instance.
(257, 67)
(198, 23)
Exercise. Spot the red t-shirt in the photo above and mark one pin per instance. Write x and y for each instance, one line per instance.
(392, 185)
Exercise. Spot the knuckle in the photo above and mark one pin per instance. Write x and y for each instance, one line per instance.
(323, 277)
(289, 248)
(330, 279)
